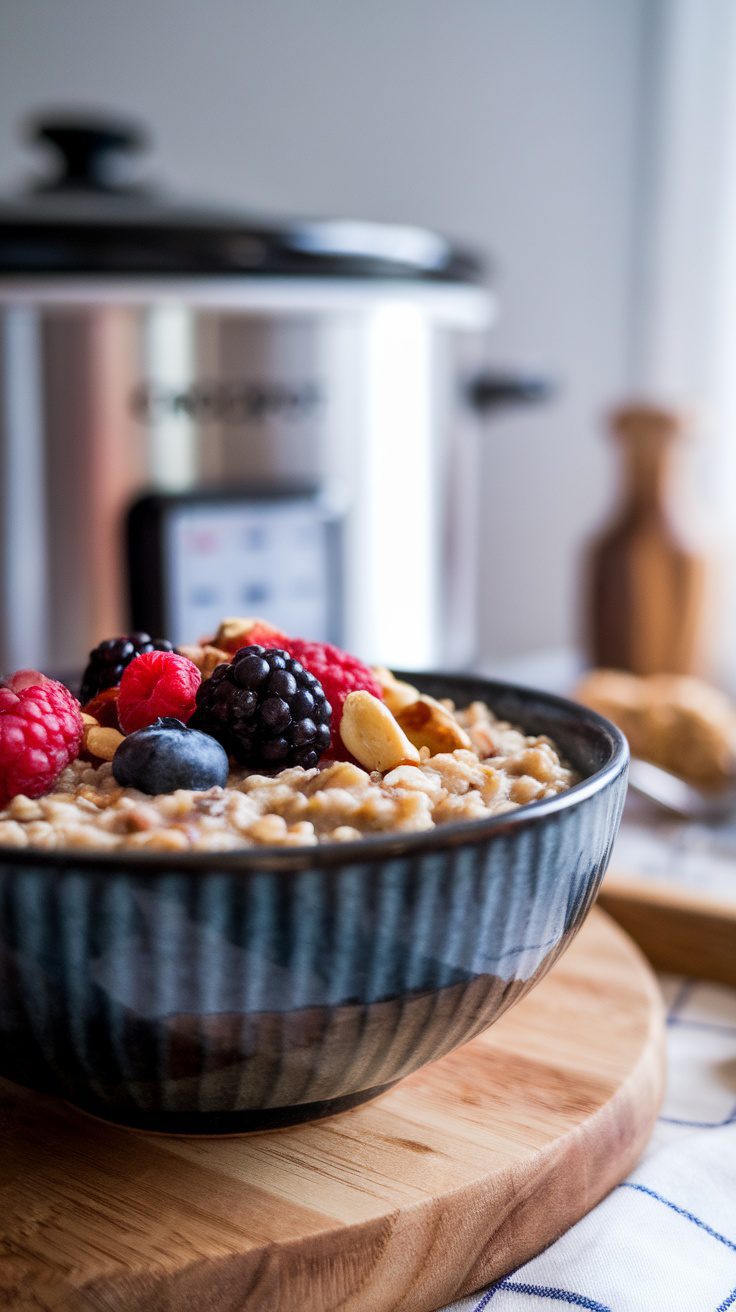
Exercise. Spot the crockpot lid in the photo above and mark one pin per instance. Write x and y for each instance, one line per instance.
(88, 219)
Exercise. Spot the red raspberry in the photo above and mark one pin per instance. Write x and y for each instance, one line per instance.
(262, 635)
(157, 684)
(40, 733)
(339, 673)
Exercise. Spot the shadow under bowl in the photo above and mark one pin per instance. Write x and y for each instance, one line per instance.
(220, 992)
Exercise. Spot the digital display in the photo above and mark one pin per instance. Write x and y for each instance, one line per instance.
(270, 558)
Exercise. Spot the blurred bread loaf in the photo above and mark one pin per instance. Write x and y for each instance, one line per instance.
(676, 721)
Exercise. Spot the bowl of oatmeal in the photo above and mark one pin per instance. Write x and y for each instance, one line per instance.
(290, 942)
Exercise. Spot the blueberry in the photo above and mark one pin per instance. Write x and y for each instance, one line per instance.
(166, 756)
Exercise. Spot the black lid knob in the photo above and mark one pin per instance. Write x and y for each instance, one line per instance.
(89, 150)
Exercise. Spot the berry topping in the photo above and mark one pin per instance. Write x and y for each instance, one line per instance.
(109, 659)
(104, 708)
(236, 633)
(156, 684)
(40, 733)
(166, 755)
(265, 709)
(339, 673)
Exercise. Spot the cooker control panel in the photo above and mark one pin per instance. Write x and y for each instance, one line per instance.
(194, 559)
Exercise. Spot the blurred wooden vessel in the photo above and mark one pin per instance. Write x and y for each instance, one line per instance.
(646, 584)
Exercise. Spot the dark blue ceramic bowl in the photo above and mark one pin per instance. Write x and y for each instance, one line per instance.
(232, 991)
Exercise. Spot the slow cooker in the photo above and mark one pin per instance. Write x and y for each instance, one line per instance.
(202, 415)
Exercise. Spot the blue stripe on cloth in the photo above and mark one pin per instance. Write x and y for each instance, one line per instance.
(700, 1125)
(681, 1211)
(680, 998)
(542, 1291)
(710, 1026)
(486, 1298)
(729, 1302)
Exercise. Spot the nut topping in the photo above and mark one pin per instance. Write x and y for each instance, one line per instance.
(373, 736)
(205, 658)
(101, 743)
(428, 724)
(236, 631)
(396, 693)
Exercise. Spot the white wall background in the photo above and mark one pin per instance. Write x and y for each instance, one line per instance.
(512, 124)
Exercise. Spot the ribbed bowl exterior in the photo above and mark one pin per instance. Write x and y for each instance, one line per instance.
(229, 991)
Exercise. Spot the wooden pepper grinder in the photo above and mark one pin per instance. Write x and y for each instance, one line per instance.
(646, 588)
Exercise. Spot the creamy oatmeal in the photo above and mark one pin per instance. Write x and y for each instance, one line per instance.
(500, 769)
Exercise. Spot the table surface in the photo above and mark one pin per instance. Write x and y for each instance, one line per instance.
(671, 853)
(659, 848)
(466, 1167)
(665, 1239)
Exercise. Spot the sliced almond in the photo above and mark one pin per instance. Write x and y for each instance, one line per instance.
(102, 743)
(396, 693)
(89, 720)
(372, 735)
(427, 723)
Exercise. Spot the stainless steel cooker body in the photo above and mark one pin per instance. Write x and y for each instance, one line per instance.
(203, 413)
(348, 397)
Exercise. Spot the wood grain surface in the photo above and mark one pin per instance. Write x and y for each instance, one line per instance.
(678, 929)
(647, 585)
(452, 1178)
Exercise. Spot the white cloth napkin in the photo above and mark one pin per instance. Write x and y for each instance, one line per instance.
(665, 1239)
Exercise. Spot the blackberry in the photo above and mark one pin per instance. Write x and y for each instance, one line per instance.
(108, 660)
(265, 709)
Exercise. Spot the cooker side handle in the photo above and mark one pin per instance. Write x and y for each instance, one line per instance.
(491, 390)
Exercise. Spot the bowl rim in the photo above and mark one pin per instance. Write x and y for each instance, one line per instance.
(460, 833)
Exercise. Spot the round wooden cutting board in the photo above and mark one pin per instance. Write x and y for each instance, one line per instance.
(454, 1177)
